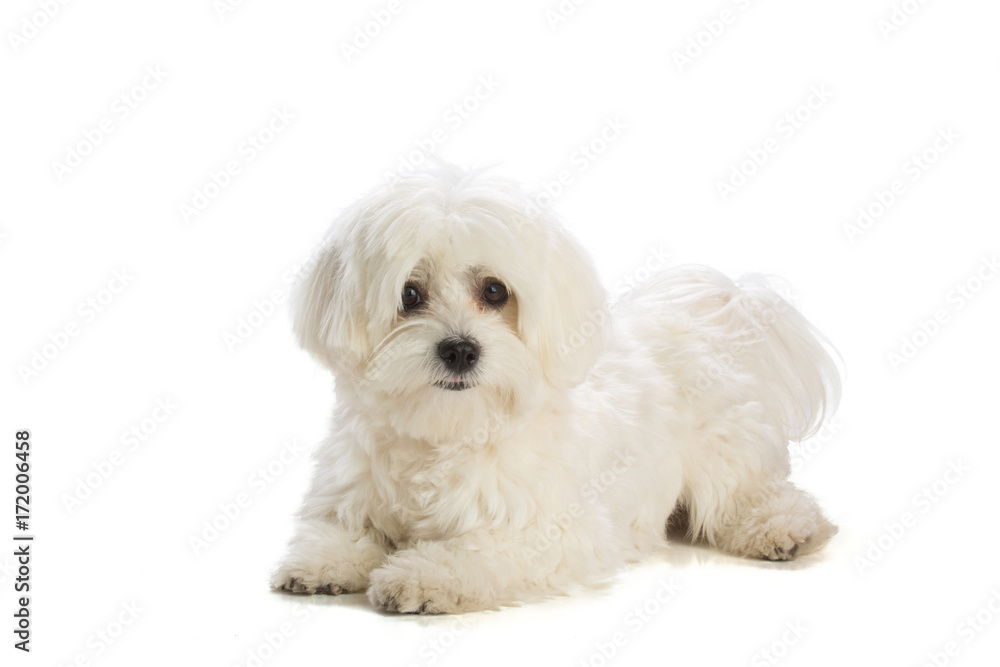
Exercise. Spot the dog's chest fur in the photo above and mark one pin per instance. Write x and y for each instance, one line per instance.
(421, 491)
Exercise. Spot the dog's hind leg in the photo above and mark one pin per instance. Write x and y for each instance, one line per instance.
(737, 497)
(754, 374)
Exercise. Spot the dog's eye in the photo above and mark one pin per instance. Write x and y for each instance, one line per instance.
(495, 293)
(411, 297)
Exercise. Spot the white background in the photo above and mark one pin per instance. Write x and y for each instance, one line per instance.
(686, 127)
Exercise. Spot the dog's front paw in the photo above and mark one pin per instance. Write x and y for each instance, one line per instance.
(324, 578)
(407, 590)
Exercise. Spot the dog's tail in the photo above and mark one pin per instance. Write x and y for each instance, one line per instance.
(748, 328)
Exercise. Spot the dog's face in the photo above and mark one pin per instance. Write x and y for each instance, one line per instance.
(467, 315)
(449, 311)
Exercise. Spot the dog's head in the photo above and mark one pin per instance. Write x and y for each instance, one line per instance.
(450, 304)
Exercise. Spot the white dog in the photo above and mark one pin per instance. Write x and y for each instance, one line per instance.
(498, 438)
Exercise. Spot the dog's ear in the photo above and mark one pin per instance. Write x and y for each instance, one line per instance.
(568, 321)
(326, 309)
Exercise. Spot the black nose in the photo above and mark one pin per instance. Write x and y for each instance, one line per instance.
(458, 354)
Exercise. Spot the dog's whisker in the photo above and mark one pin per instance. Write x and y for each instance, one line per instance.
(377, 360)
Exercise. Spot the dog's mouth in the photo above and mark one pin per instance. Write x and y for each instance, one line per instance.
(454, 384)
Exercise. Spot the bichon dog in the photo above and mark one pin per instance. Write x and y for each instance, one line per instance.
(502, 433)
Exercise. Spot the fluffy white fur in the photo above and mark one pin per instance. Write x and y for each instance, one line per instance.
(588, 425)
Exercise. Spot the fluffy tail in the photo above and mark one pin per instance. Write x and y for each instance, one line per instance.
(747, 327)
